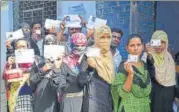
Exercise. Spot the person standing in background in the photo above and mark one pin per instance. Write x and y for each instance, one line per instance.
(26, 30)
(116, 39)
(36, 40)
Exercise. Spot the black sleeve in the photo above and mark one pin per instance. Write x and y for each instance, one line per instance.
(121, 68)
(86, 72)
(151, 67)
(35, 77)
(58, 81)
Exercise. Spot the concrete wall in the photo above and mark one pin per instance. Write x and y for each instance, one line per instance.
(131, 17)
(6, 25)
(84, 8)
(168, 20)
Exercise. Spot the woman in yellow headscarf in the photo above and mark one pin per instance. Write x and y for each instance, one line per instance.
(101, 70)
(162, 70)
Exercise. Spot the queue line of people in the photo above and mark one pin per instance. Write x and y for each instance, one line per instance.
(76, 82)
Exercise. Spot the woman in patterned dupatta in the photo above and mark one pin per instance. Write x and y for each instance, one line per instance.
(69, 90)
(20, 93)
(131, 87)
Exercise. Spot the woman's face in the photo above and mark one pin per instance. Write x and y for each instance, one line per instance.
(104, 42)
(21, 45)
(135, 46)
(79, 49)
(160, 48)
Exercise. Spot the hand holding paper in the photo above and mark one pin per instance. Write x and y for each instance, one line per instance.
(94, 22)
(155, 43)
(24, 56)
(93, 52)
(72, 21)
(14, 35)
(132, 58)
(49, 23)
(53, 51)
(58, 62)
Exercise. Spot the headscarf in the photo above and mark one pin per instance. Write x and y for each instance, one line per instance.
(101, 43)
(163, 62)
(78, 39)
(104, 63)
(72, 60)
(26, 29)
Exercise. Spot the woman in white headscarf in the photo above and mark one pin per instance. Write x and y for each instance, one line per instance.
(162, 70)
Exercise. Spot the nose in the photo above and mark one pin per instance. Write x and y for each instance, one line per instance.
(135, 48)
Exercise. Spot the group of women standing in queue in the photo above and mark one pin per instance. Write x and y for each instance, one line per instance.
(78, 83)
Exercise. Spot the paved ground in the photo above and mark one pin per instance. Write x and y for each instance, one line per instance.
(3, 98)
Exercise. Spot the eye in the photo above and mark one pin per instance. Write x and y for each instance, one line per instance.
(132, 45)
(102, 37)
(138, 44)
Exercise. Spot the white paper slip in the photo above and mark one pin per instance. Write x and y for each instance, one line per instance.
(49, 23)
(94, 22)
(92, 52)
(132, 58)
(53, 51)
(24, 56)
(155, 42)
(72, 21)
(14, 35)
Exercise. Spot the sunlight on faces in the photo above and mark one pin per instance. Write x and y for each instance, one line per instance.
(21, 44)
(135, 46)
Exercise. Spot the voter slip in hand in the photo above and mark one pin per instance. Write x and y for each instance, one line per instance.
(49, 23)
(24, 56)
(92, 52)
(72, 21)
(94, 22)
(155, 43)
(132, 58)
(14, 35)
(53, 51)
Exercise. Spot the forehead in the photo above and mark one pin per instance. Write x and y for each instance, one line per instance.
(135, 40)
(74, 28)
(36, 25)
(105, 34)
(21, 42)
(116, 34)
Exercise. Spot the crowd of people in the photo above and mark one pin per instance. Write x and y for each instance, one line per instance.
(77, 82)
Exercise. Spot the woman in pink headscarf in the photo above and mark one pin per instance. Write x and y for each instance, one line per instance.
(67, 84)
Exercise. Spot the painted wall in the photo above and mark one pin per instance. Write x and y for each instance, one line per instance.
(86, 8)
(131, 17)
(168, 20)
(6, 25)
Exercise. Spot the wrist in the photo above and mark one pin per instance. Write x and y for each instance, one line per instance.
(131, 75)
